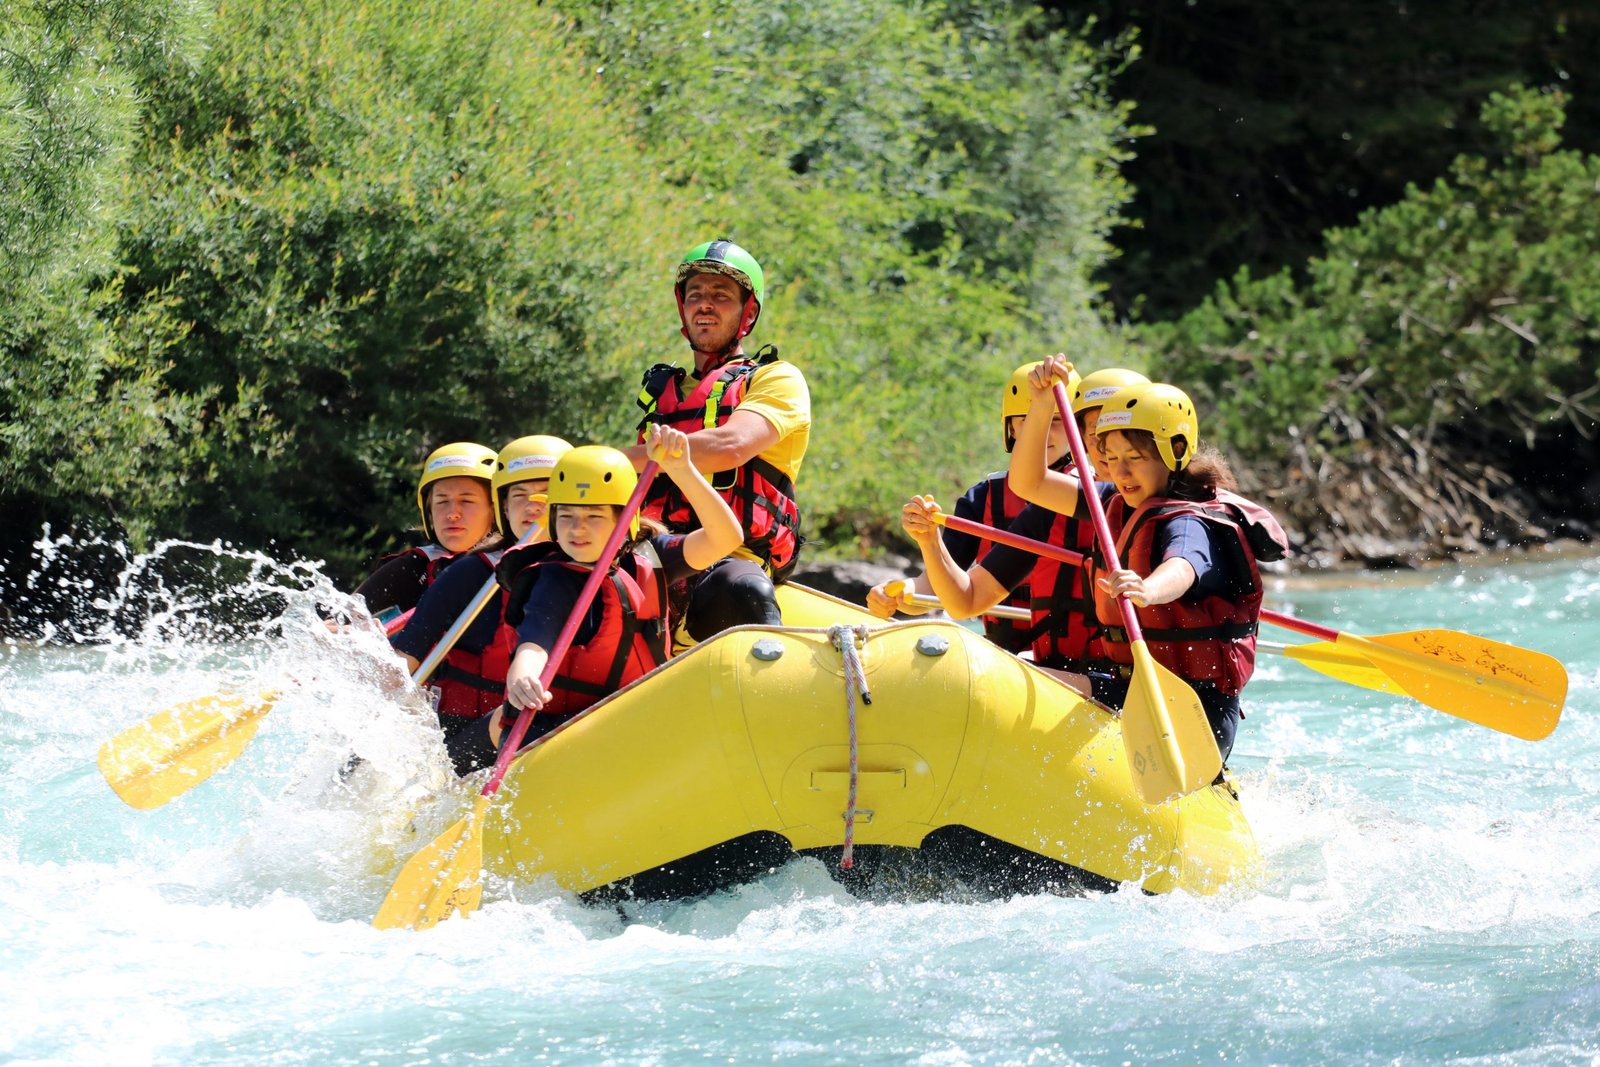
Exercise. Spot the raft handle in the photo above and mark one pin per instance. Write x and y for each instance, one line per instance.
(830, 781)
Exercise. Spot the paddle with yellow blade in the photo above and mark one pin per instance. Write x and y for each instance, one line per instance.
(168, 754)
(1513, 690)
(160, 759)
(445, 877)
(1500, 686)
(1169, 742)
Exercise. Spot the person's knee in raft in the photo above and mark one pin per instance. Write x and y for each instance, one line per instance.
(1188, 558)
(617, 642)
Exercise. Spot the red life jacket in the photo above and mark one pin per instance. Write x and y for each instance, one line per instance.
(760, 494)
(631, 640)
(1212, 639)
(473, 684)
(435, 558)
(1000, 506)
(1065, 629)
(632, 636)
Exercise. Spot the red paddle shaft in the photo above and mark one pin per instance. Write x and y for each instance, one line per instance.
(513, 741)
(1066, 555)
(1097, 511)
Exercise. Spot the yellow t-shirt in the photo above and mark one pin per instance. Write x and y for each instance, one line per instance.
(777, 392)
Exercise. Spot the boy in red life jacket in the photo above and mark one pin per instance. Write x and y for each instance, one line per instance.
(1060, 633)
(624, 634)
(1189, 546)
(750, 416)
(472, 679)
(988, 501)
(455, 499)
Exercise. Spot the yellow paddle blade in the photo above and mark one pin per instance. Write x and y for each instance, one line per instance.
(1170, 747)
(444, 878)
(1344, 665)
(1503, 687)
(175, 750)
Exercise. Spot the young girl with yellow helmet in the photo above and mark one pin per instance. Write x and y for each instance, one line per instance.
(470, 682)
(1189, 546)
(625, 633)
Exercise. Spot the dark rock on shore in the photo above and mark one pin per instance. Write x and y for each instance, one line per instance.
(850, 579)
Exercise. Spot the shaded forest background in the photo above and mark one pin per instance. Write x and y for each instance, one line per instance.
(256, 260)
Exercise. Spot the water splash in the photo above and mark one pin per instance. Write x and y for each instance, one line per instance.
(1430, 892)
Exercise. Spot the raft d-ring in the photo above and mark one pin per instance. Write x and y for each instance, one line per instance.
(767, 649)
(933, 644)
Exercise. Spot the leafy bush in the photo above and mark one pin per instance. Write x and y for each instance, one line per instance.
(929, 187)
(383, 226)
(346, 234)
(84, 417)
(1440, 370)
(387, 226)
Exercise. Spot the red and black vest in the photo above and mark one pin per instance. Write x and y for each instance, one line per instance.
(760, 494)
(1210, 639)
(1065, 629)
(473, 684)
(630, 642)
(1000, 506)
(435, 558)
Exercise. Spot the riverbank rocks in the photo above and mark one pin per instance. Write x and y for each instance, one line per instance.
(850, 579)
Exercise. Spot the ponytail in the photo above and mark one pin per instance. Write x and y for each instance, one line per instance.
(1206, 473)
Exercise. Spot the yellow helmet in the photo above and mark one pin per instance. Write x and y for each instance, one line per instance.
(1095, 388)
(524, 460)
(594, 474)
(1164, 411)
(463, 459)
(1015, 399)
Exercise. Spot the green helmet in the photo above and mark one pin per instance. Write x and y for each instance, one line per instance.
(724, 257)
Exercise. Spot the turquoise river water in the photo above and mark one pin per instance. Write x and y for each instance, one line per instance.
(1432, 892)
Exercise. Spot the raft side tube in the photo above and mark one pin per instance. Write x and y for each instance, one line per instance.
(748, 734)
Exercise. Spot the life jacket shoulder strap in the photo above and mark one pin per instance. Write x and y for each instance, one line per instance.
(429, 553)
(714, 384)
(1261, 528)
(517, 570)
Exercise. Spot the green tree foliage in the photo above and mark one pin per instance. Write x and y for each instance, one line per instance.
(385, 226)
(1275, 122)
(929, 186)
(364, 229)
(1437, 380)
(84, 415)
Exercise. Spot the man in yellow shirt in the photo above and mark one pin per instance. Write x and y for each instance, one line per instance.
(751, 417)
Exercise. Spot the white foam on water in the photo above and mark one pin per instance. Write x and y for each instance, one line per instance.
(1431, 892)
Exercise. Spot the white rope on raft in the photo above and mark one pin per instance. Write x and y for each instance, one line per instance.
(847, 639)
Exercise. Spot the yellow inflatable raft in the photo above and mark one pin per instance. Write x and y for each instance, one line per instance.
(737, 754)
